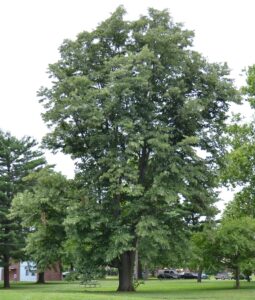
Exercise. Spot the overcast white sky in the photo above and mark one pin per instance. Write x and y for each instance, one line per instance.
(32, 30)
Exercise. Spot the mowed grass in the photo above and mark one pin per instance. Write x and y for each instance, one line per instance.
(152, 289)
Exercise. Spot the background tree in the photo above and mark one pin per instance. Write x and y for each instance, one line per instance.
(202, 256)
(239, 160)
(229, 245)
(235, 244)
(239, 167)
(18, 158)
(132, 102)
(42, 211)
(238, 172)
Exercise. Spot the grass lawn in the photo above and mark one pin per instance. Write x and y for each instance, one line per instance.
(152, 289)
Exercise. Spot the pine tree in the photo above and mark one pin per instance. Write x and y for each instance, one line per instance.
(18, 158)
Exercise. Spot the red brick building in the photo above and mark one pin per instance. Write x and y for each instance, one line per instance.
(53, 274)
(25, 271)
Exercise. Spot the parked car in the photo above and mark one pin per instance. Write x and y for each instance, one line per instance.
(241, 277)
(222, 276)
(204, 276)
(168, 274)
(189, 275)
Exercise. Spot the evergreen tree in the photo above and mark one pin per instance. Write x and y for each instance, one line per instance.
(132, 103)
(18, 158)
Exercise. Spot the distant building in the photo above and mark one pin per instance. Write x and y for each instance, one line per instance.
(26, 271)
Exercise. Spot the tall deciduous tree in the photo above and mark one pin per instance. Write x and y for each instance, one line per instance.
(240, 159)
(42, 211)
(132, 103)
(18, 158)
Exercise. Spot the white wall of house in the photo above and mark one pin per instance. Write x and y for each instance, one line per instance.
(27, 272)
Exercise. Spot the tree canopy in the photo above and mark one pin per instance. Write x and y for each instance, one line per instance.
(239, 160)
(235, 244)
(132, 103)
(18, 158)
(42, 211)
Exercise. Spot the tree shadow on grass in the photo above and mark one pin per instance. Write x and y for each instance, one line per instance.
(149, 291)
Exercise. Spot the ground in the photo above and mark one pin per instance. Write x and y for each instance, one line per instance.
(152, 289)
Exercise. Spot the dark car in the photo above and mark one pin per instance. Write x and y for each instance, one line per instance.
(168, 274)
(222, 276)
(241, 277)
(189, 275)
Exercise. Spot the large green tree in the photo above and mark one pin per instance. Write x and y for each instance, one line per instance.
(132, 103)
(18, 158)
(239, 160)
(238, 172)
(42, 211)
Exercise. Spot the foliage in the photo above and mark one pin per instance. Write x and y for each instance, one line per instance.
(42, 210)
(201, 248)
(239, 160)
(235, 243)
(132, 103)
(18, 158)
(249, 88)
(236, 240)
(242, 205)
(72, 276)
(239, 172)
(230, 245)
(88, 274)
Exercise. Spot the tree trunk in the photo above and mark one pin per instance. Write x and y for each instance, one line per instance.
(136, 264)
(126, 272)
(199, 275)
(41, 278)
(140, 269)
(153, 273)
(6, 262)
(237, 275)
(71, 269)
